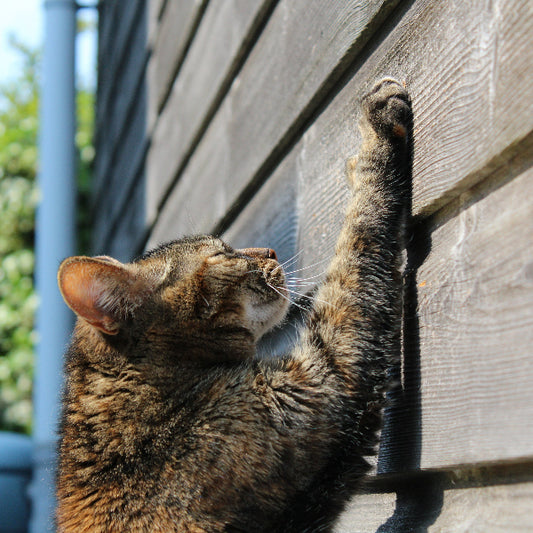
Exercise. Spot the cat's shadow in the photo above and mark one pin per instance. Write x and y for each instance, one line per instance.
(419, 497)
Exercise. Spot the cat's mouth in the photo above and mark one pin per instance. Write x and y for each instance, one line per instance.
(271, 269)
(275, 277)
(268, 304)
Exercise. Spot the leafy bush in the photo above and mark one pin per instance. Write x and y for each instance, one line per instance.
(18, 200)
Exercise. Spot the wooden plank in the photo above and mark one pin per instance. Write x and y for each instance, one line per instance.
(475, 317)
(119, 97)
(129, 110)
(277, 210)
(302, 50)
(463, 127)
(468, 397)
(457, 139)
(504, 508)
(366, 513)
(107, 33)
(128, 161)
(124, 240)
(155, 9)
(123, 16)
(461, 100)
(105, 23)
(222, 39)
(178, 22)
(270, 219)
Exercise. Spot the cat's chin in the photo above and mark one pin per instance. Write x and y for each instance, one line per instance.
(265, 317)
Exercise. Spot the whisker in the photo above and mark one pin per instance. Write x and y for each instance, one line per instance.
(309, 266)
(288, 261)
(298, 281)
(310, 277)
(286, 297)
(312, 298)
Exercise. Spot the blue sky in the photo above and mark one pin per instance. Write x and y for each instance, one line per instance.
(25, 19)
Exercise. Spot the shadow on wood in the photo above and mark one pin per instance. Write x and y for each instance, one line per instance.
(419, 501)
(418, 504)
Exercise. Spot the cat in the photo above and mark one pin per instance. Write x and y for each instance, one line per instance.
(171, 423)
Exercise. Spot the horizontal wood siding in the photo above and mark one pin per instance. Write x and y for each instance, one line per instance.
(176, 27)
(236, 117)
(224, 36)
(443, 504)
(121, 121)
(268, 102)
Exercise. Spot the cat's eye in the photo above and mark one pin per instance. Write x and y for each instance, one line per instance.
(215, 257)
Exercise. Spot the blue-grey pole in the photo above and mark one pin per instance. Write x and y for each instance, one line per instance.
(55, 240)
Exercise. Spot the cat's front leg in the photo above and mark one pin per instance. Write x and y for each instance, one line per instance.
(352, 335)
(354, 326)
(361, 295)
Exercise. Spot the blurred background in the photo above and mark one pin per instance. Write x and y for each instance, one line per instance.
(22, 35)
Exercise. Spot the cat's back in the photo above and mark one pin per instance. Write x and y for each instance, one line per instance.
(140, 455)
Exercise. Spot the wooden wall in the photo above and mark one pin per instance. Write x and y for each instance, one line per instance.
(236, 117)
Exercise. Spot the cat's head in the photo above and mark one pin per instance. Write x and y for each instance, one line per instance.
(192, 297)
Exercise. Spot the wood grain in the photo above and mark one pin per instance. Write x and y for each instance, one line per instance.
(475, 319)
(490, 509)
(120, 100)
(461, 100)
(467, 395)
(457, 140)
(223, 38)
(291, 63)
(178, 23)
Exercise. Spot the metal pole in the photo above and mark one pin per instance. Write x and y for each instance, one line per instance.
(55, 240)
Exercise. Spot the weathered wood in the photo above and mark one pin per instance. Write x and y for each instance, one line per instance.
(433, 509)
(127, 164)
(222, 39)
(130, 115)
(271, 217)
(178, 22)
(301, 52)
(461, 97)
(155, 9)
(122, 101)
(366, 513)
(468, 396)
(489, 366)
(475, 318)
(128, 231)
(121, 24)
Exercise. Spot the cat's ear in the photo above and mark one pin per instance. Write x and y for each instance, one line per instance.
(101, 290)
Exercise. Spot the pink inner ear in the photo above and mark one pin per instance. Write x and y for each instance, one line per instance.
(84, 284)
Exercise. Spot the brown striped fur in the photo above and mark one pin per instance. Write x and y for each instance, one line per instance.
(171, 424)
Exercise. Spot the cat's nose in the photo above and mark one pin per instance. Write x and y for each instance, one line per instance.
(267, 253)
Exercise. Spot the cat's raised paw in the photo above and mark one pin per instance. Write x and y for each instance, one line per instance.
(387, 107)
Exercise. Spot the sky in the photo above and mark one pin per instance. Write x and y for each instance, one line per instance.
(25, 19)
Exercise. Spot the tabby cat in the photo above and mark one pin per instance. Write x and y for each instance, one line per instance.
(172, 424)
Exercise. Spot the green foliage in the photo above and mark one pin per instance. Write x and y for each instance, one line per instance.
(18, 200)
